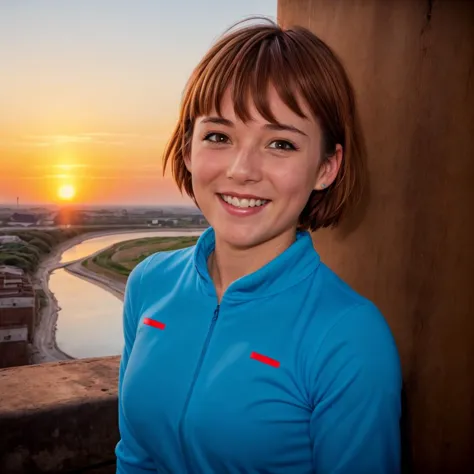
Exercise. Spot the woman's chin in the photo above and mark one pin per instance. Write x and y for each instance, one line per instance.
(240, 236)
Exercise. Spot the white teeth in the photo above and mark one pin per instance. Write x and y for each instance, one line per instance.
(243, 203)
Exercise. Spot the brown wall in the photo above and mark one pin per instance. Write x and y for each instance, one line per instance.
(412, 64)
(18, 317)
(13, 354)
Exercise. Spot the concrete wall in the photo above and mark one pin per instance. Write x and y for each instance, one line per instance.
(411, 249)
(59, 417)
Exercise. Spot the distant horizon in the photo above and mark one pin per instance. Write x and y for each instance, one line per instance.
(92, 206)
(184, 202)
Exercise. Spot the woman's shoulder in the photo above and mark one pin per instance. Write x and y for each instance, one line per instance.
(350, 328)
(338, 301)
(164, 261)
(160, 266)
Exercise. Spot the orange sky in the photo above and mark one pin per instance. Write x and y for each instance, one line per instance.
(92, 93)
(103, 167)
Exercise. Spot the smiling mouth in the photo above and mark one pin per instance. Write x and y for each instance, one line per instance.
(243, 203)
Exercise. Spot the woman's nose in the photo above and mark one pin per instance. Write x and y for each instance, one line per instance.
(244, 166)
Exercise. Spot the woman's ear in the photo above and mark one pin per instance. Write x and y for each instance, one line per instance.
(329, 169)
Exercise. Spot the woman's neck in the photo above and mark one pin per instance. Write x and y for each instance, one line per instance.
(228, 263)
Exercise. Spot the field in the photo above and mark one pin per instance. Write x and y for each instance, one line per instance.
(119, 260)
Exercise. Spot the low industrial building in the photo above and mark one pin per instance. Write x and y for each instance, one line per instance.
(17, 316)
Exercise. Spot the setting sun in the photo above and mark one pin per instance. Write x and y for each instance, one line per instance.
(66, 192)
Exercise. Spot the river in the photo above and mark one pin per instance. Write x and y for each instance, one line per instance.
(90, 320)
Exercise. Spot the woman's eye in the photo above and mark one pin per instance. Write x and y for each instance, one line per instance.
(282, 145)
(216, 138)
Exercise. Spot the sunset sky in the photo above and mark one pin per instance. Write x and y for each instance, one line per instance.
(89, 92)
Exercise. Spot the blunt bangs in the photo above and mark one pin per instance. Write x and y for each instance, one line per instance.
(247, 68)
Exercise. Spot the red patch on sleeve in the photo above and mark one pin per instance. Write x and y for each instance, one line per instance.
(155, 324)
(264, 359)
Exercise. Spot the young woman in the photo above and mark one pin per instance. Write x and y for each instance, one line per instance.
(245, 353)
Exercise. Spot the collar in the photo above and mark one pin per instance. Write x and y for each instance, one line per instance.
(293, 265)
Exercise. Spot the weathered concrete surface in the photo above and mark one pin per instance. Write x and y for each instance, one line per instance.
(412, 252)
(59, 417)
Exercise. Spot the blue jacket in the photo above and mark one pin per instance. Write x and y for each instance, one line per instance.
(293, 372)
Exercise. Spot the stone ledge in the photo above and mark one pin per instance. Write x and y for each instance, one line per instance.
(59, 417)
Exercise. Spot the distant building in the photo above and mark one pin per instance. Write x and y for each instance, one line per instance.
(153, 213)
(17, 316)
(48, 222)
(163, 222)
(10, 239)
(199, 220)
(48, 219)
(23, 220)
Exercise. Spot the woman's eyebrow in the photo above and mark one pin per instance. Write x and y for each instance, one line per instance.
(269, 126)
(285, 128)
(218, 120)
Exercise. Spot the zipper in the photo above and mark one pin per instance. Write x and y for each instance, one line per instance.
(193, 383)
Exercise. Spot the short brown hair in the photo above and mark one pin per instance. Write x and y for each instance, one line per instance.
(298, 64)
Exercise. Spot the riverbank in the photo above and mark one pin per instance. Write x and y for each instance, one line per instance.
(45, 348)
(117, 288)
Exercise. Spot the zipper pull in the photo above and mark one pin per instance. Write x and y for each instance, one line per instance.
(216, 313)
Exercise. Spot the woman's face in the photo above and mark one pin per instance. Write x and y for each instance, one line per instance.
(252, 180)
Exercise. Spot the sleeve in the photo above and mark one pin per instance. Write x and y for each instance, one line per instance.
(131, 457)
(355, 424)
